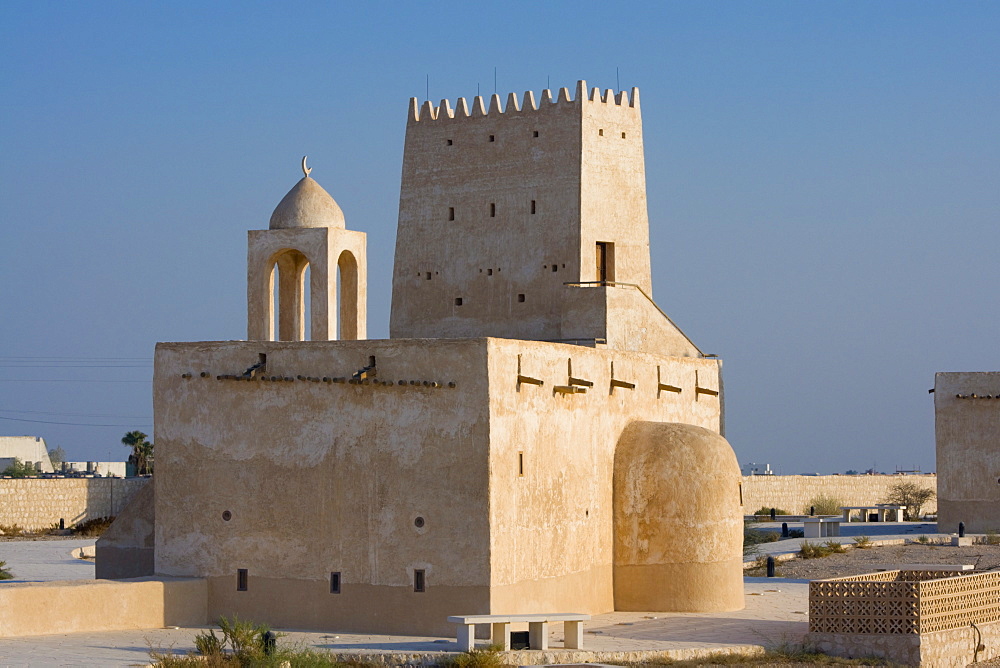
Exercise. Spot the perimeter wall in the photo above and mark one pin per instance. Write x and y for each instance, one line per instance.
(37, 503)
(794, 492)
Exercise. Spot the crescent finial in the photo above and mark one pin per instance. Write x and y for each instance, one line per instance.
(305, 170)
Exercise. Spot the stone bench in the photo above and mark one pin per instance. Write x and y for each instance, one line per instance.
(882, 510)
(538, 629)
(820, 527)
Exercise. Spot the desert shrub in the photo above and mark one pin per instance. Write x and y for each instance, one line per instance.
(754, 537)
(813, 550)
(911, 495)
(989, 538)
(796, 533)
(488, 657)
(5, 573)
(923, 540)
(12, 530)
(863, 542)
(835, 547)
(93, 527)
(766, 510)
(20, 469)
(208, 644)
(823, 505)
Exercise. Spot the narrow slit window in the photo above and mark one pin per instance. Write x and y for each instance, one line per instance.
(520, 464)
(241, 579)
(555, 267)
(520, 297)
(451, 213)
(623, 135)
(493, 137)
(489, 272)
(601, 132)
(532, 206)
(419, 580)
(493, 210)
(535, 134)
(335, 582)
(458, 301)
(427, 276)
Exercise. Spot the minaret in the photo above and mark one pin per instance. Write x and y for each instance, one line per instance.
(307, 230)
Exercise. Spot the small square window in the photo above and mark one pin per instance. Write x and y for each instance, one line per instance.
(555, 267)
(427, 275)
(489, 272)
(450, 142)
(241, 579)
(458, 301)
(535, 133)
(601, 132)
(451, 213)
(419, 581)
(335, 582)
(520, 297)
(493, 138)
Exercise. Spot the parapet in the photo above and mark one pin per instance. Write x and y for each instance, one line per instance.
(444, 111)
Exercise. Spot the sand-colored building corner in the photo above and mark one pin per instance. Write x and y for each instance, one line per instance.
(536, 436)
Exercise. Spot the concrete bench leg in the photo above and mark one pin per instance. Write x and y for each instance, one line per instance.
(538, 635)
(466, 637)
(501, 635)
(834, 528)
(573, 634)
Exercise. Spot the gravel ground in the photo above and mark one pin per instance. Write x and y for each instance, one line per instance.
(856, 561)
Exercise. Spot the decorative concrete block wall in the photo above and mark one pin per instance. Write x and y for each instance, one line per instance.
(35, 503)
(794, 492)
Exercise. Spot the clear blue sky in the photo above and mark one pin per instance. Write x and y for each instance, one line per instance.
(822, 177)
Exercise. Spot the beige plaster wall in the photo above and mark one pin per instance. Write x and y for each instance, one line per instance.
(967, 431)
(36, 503)
(325, 477)
(794, 492)
(552, 533)
(39, 608)
(26, 448)
(125, 549)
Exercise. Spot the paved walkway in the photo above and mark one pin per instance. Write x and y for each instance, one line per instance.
(776, 612)
(46, 560)
(848, 532)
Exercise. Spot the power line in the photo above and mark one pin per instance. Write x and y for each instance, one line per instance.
(75, 424)
(89, 415)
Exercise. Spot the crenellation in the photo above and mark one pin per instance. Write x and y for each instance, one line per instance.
(445, 107)
(529, 101)
(495, 104)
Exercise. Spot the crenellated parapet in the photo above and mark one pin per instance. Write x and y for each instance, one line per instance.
(527, 104)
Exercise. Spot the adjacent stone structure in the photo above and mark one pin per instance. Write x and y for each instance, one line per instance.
(795, 492)
(39, 503)
(536, 436)
(29, 449)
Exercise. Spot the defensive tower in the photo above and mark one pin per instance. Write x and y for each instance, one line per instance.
(528, 222)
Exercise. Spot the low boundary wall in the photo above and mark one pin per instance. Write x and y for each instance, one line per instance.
(794, 492)
(38, 503)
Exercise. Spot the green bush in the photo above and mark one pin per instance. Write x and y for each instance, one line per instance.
(863, 542)
(823, 505)
(5, 573)
(94, 527)
(766, 510)
(754, 537)
(488, 657)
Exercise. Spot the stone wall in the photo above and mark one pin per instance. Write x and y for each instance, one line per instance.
(35, 503)
(794, 492)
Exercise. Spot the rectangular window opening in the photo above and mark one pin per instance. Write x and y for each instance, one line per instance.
(520, 297)
(623, 135)
(428, 275)
(450, 142)
(451, 213)
(532, 206)
(489, 272)
(601, 132)
(493, 210)
(555, 267)
(335, 582)
(520, 464)
(419, 580)
(493, 138)
(241, 579)
(535, 134)
(458, 301)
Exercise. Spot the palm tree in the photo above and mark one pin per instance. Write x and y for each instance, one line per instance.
(142, 451)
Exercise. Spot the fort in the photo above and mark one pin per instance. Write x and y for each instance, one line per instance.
(535, 437)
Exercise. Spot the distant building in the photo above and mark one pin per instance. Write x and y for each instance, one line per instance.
(116, 469)
(29, 449)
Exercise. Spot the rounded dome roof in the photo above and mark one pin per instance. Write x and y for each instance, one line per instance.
(307, 205)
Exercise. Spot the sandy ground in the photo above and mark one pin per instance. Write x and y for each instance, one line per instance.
(856, 561)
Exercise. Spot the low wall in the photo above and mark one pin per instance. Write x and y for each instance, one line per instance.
(38, 608)
(38, 503)
(794, 492)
